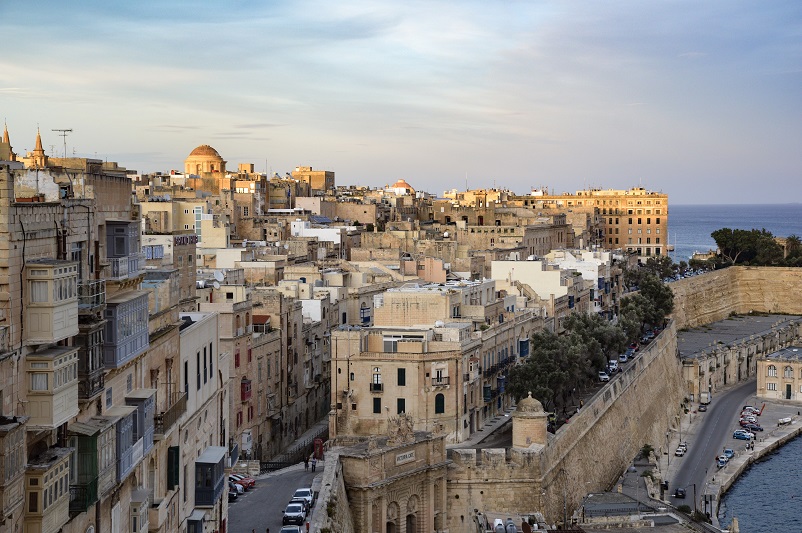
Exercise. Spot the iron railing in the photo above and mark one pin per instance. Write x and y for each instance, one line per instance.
(162, 422)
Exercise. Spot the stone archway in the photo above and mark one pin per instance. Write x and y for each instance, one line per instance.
(393, 512)
(412, 519)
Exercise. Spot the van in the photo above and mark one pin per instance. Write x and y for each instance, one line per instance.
(613, 365)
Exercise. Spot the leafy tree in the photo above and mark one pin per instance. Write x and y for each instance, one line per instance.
(660, 297)
(738, 246)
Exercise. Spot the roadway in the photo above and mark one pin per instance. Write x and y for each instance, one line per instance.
(710, 436)
(262, 507)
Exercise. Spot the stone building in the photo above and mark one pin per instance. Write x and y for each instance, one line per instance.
(96, 340)
(204, 160)
(438, 352)
(779, 375)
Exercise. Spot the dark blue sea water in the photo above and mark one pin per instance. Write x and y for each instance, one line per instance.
(768, 496)
(690, 226)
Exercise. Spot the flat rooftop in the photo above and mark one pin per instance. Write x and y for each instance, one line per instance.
(731, 330)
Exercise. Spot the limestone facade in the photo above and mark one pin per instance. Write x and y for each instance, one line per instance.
(779, 375)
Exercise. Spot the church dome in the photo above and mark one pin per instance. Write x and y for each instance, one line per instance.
(402, 187)
(530, 405)
(205, 149)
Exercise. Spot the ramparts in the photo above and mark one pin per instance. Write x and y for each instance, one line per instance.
(714, 296)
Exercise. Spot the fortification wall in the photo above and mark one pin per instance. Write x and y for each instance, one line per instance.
(714, 296)
(587, 454)
(332, 513)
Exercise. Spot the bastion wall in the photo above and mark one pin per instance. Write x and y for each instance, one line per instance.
(711, 297)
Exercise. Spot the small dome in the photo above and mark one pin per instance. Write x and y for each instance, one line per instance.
(204, 149)
(402, 184)
(530, 405)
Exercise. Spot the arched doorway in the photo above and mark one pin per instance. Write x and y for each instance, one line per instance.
(412, 514)
(391, 525)
(411, 524)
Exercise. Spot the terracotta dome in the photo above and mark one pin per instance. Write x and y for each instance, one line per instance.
(403, 185)
(204, 149)
(530, 405)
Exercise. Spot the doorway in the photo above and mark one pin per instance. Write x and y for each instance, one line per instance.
(788, 391)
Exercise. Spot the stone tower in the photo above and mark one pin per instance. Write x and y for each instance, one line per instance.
(529, 424)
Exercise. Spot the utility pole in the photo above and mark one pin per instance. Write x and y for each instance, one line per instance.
(63, 133)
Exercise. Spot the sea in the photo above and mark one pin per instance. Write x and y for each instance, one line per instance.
(768, 496)
(690, 226)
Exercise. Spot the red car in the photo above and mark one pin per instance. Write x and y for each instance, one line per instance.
(634, 346)
(246, 481)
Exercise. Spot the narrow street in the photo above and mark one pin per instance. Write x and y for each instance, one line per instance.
(261, 508)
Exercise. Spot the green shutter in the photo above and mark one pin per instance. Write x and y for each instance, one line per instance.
(173, 466)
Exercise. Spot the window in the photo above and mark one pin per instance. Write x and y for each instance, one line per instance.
(211, 357)
(788, 372)
(771, 386)
(108, 398)
(245, 211)
(772, 371)
(439, 404)
(377, 376)
(38, 291)
(198, 366)
(33, 502)
(377, 405)
(186, 377)
(204, 365)
(38, 381)
(236, 358)
(402, 377)
(401, 405)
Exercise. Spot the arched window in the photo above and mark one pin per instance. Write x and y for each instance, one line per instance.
(772, 371)
(439, 404)
(788, 372)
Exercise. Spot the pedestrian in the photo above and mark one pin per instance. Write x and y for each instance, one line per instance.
(306, 463)
(314, 463)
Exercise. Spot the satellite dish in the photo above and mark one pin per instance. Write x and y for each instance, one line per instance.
(219, 275)
(216, 285)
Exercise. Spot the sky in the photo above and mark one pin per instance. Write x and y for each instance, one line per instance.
(700, 100)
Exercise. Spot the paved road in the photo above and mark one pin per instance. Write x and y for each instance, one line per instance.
(712, 435)
(261, 508)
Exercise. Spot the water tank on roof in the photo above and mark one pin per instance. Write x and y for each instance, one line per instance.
(439, 324)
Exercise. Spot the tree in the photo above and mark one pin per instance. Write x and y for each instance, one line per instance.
(738, 246)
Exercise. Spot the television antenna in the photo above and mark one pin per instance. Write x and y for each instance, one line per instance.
(63, 133)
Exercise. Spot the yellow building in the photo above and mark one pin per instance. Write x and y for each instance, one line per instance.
(633, 219)
(779, 375)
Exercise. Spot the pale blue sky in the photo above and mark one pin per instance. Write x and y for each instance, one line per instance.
(702, 100)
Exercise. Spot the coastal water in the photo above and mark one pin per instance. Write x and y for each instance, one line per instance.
(690, 226)
(768, 496)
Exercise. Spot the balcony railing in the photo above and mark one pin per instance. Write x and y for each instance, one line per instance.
(91, 295)
(83, 496)
(125, 267)
(376, 387)
(90, 385)
(164, 421)
(440, 382)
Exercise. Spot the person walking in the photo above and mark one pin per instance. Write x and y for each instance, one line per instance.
(306, 463)
(314, 463)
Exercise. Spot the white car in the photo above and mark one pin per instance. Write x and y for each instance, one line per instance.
(603, 376)
(680, 451)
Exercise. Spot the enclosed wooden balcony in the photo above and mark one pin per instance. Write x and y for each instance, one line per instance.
(52, 382)
(51, 301)
(13, 457)
(47, 502)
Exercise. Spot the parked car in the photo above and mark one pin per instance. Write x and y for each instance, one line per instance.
(232, 495)
(236, 487)
(290, 529)
(752, 427)
(634, 347)
(295, 513)
(630, 353)
(751, 408)
(742, 435)
(724, 458)
(749, 419)
(720, 463)
(702, 408)
(612, 366)
(305, 494)
(679, 493)
(245, 481)
(680, 451)
(729, 453)
(623, 358)
(603, 376)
